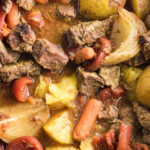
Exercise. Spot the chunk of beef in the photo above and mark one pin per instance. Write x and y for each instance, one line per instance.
(146, 137)
(126, 114)
(109, 113)
(88, 82)
(17, 70)
(49, 55)
(21, 38)
(6, 5)
(7, 55)
(66, 11)
(137, 60)
(145, 44)
(26, 4)
(147, 21)
(88, 32)
(111, 75)
(143, 115)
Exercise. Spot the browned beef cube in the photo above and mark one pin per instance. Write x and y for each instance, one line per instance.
(145, 44)
(111, 75)
(26, 4)
(88, 32)
(146, 136)
(143, 115)
(109, 113)
(21, 38)
(6, 5)
(49, 55)
(7, 55)
(66, 11)
(126, 114)
(88, 82)
(17, 70)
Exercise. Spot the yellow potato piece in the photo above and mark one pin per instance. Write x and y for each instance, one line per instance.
(86, 145)
(42, 88)
(58, 95)
(99, 9)
(143, 88)
(53, 103)
(66, 89)
(141, 7)
(61, 148)
(60, 128)
(62, 93)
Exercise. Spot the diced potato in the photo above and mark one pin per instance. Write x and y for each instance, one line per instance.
(53, 103)
(61, 148)
(143, 88)
(58, 95)
(62, 93)
(60, 128)
(99, 9)
(42, 88)
(86, 145)
(66, 89)
(141, 7)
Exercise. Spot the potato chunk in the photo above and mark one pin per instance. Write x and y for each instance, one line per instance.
(62, 93)
(42, 87)
(57, 95)
(54, 103)
(60, 128)
(141, 7)
(61, 148)
(86, 145)
(99, 9)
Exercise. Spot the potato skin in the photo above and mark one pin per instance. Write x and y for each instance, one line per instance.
(99, 9)
(143, 88)
(140, 7)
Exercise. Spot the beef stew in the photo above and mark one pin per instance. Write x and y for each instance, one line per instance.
(74, 75)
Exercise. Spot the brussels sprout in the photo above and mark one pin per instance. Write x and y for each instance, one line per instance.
(143, 88)
(129, 76)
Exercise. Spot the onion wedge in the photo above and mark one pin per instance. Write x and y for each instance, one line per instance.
(125, 37)
(21, 119)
